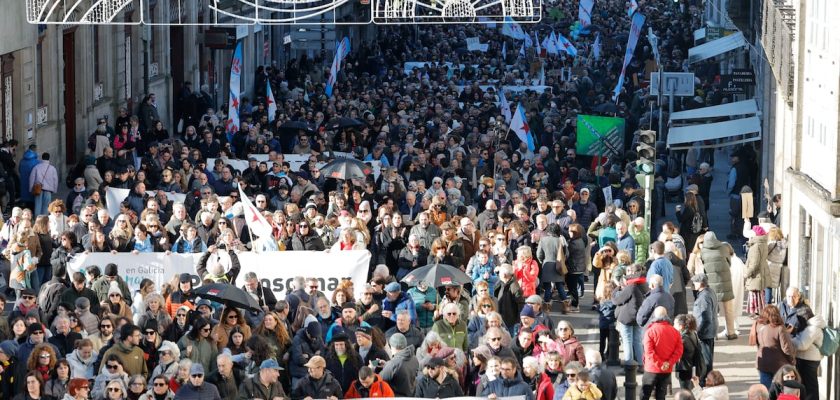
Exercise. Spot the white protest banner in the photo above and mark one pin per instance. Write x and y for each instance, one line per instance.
(483, 47)
(275, 269)
(239, 165)
(473, 43)
(172, 196)
(607, 194)
(113, 198)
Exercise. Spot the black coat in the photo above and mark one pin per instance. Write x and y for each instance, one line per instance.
(309, 242)
(657, 297)
(318, 389)
(509, 299)
(628, 300)
(578, 253)
(602, 377)
(345, 373)
(431, 389)
(302, 350)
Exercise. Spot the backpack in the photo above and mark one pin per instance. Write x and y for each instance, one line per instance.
(696, 222)
(830, 342)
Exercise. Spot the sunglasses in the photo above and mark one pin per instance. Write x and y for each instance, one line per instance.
(27, 297)
(150, 332)
(486, 305)
(232, 316)
(451, 313)
(104, 326)
(197, 375)
(160, 384)
(180, 315)
(114, 389)
(112, 366)
(45, 356)
(205, 329)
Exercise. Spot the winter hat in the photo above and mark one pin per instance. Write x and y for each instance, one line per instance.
(36, 327)
(114, 288)
(10, 347)
(527, 311)
(111, 270)
(759, 231)
(171, 347)
(313, 329)
(83, 303)
(397, 341)
(151, 324)
(444, 353)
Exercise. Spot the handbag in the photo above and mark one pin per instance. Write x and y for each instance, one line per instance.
(560, 263)
(38, 187)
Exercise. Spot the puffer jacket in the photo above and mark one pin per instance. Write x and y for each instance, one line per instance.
(401, 371)
(757, 270)
(318, 389)
(715, 256)
(577, 255)
(808, 341)
(662, 343)
(776, 254)
(628, 300)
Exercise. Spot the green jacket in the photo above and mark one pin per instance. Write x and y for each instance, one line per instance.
(204, 352)
(132, 358)
(715, 256)
(453, 336)
(642, 240)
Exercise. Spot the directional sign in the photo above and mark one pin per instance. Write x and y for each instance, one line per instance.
(676, 83)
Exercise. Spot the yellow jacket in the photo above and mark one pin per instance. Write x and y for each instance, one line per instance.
(591, 393)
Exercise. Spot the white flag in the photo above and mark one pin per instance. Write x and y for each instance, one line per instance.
(256, 222)
(113, 198)
(269, 98)
(504, 106)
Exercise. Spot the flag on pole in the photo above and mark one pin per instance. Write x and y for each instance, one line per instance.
(504, 106)
(504, 50)
(585, 12)
(537, 41)
(233, 100)
(550, 44)
(512, 29)
(520, 127)
(269, 98)
(596, 46)
(632, 7)
(256, 222)
(566, 45)
(635, 31)
(528, 41)
(522, 50)
(341, 51)
(542, 74)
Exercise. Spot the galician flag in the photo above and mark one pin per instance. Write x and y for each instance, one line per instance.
(596, 47)
(537, 42)
(550, 44)
(632, 7)
(504, 106)
(341, 51)
(512, 29)
(519, 126)
(256, 222)
(269, 98)
(566, 45)
(522, 50)
(233, 101)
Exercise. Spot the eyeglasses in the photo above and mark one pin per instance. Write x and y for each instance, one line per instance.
(180, 315)
(160, 384)
(114, 389)
(205, 329)
(104, 326)
(45, 356)
(114, 295)
(571, 375)
(486, 306)
(197, 375)
(232, 316)
(451, 313)
(38, 333)
(112, 366)
(303, 226)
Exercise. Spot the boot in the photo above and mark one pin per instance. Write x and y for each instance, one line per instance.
(564, 307)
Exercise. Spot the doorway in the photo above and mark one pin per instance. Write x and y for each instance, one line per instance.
(69, 57)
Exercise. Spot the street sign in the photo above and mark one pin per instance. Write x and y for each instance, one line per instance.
(219, 38)
(676, 83)
(714, 33)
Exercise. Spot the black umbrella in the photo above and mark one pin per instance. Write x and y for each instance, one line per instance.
(228, 295)
(344, 122)
(346, 168)
(437, 275)
(295, 126)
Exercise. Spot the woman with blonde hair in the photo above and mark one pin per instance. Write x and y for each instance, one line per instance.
(779, 276)
(477, 326)
(121, 235)
(41, 229)
(58, 221)
(526, 270)
(695, 263)
(154, 311)
(607, 261)
(670, 233)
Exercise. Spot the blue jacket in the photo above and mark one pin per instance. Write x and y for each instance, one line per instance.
(655, 298)
(404, 302)
(661, 266)
(509, 388)
(29, 161)
(627, 243)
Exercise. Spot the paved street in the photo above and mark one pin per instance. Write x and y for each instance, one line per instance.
(735, 359)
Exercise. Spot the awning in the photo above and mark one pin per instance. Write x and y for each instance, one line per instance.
(715, 47)
(740, 130)
(724, 110)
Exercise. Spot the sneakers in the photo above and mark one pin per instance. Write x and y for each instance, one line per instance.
(725, 336)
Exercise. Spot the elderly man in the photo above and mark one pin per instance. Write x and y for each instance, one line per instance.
(508, 295)
(641, 239)
(226, 378)
(794, 311)
(705, 311)
(601, 375)
(758, 392)
(396, 300)
(197, 388)
(452, 330)
(657, 297)
(494, 338)
(264, 384)
(63, 338)
(319, 383)
(407, 328)
(663, 349)
(425, 230)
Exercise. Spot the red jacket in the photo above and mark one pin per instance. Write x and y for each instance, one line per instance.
(378, 388)
(527, 274)
(545, 388)
(662, 343)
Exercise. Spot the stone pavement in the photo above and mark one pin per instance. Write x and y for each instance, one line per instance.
(735, 359)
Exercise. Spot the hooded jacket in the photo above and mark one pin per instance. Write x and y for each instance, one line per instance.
(808, 341)
(715, 256)
(132, 358)
(401, 372)
(81, 368)
(757, 271)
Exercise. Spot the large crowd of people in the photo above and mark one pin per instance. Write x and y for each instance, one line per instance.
(531, 228)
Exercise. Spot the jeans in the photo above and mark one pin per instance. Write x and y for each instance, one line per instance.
(707, 349)
(44, 273)
(549, 287)
(575, 282)
(766, 379)
(596, 273)
(631, 337)
(768, 296)
(42, 201)
(656, 384)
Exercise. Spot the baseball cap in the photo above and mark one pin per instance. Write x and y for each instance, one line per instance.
(316, 361)
(197, 369)
(393, 287)
(185, 277)
(271, 364)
